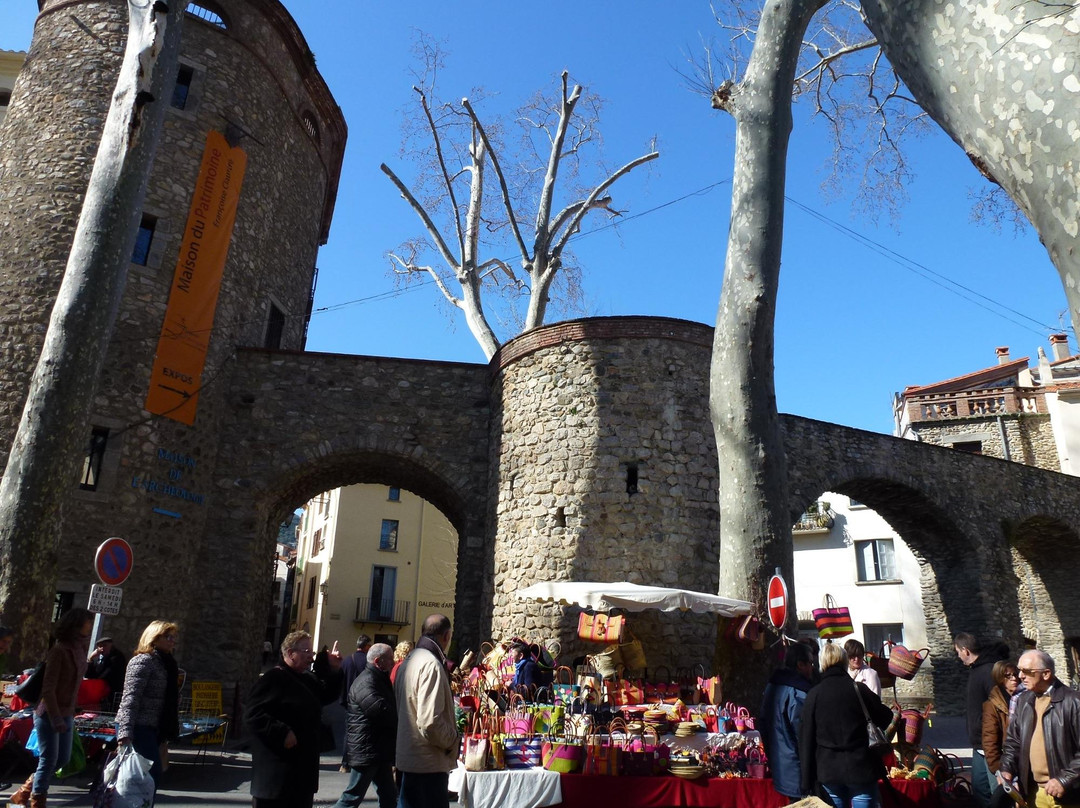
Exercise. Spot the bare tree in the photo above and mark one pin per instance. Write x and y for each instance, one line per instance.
(755, 526)
(52, 432)
(1000, 77)
(460, 270)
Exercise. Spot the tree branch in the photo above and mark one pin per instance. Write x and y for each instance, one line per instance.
(590, 201)
(442, 166)
(828, 58)
(409, 268)
(423, 214)
(503, 187)
(543, 211)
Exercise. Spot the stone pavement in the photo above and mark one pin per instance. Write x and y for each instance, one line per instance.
(217, 779)
(213, 780)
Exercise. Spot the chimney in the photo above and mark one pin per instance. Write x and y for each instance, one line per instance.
(1003, 354)
(1059, 347)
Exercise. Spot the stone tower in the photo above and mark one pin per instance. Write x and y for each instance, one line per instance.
(246, 76)
(604, 470)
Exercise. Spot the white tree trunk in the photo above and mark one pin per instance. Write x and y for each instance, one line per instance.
(1000, 77)
(755, 526)
(53, 432)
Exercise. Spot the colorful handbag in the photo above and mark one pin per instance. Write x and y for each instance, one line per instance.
(600, 627)
(712, 689)
(564, 757)
(522, 753)
(564, 691)
(477, 745)
(519, 719)
(548, 719)
(756, 764)
(904, 663)
(602, 756)
(578, 725)
(627, 691)
(832, 621)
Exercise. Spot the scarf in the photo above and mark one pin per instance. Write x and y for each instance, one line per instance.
(169, 722)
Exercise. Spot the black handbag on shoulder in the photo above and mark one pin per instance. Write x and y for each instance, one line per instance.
(29, 690)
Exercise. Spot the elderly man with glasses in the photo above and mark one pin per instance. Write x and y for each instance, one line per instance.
(1042, 748)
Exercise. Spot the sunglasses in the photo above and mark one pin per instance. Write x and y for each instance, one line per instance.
(1031, 671)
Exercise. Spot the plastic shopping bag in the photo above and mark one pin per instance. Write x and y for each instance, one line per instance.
(128, 777)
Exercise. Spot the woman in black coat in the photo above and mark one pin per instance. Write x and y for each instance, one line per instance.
(284, 719)
(834, 748)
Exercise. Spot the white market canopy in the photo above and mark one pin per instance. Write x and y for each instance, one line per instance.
(632, 598)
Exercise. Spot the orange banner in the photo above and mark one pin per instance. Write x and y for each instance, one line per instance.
(185, 335)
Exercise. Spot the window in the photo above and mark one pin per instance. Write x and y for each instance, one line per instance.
(631, 478)
(876, 635)
(973, 446)
(310, 126)
(317, 542)
(275, 327)
(62, 602)
(95, 453)
(389, 639)
(5, 98)
(202, 12)
(876, 560)
(182, 88)
(383, 580)
(141, 254)
(394, 495)
(311, 592)
(388, 534)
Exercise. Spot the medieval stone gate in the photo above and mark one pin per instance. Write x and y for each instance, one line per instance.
(993, 535)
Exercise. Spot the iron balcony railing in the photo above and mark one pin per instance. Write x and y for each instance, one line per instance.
(395, 612)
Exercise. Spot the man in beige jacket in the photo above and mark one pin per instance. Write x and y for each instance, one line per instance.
(427, 737)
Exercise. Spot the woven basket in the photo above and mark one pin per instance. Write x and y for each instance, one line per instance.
(904, 663)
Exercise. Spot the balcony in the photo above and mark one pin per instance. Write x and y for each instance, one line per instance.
(975, 404)
(386, 612)
(817, 519)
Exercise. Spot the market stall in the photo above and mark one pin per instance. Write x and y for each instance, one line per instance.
(609, 730)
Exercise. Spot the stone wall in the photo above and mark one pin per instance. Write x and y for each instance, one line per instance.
(1030, 437)
(255, 82)
(605, 471)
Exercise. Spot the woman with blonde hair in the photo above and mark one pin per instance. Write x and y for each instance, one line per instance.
(149, 710)
(401, 650)
(834, 746)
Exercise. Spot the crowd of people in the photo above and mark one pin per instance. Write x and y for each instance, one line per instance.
(1022, 721)
(401, 736)
(400, 716)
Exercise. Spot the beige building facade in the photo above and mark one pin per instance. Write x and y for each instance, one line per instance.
(375, 560)
(11, 63)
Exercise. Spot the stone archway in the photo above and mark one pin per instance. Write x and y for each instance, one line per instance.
(1044, 552)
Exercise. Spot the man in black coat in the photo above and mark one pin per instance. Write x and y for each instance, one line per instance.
(980, 663)
(283, 719)
(371, 731)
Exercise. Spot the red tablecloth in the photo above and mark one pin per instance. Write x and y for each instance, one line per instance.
(587, 791)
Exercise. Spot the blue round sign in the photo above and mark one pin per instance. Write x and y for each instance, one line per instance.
(113, 561)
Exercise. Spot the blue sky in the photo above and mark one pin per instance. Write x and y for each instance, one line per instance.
(853, 324)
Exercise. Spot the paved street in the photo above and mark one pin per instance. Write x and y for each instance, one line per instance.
(214, 779)
(223, 779)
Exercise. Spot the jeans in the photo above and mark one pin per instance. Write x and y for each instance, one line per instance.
(381, 774)
(853, 795)
(980, 779)
(55, 750)
(424, 790)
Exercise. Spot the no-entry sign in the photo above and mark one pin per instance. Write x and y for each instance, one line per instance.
(112, 562)
(778, 600)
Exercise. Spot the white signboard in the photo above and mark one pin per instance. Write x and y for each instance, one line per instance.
(105, 599)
